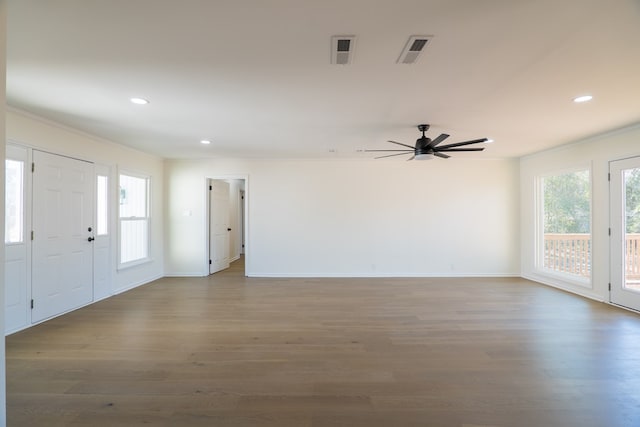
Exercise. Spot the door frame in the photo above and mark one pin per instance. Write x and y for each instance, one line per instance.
(616, 237)
(245, 219)
(28, 222)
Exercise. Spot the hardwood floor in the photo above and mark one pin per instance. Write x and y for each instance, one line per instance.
(233, 351)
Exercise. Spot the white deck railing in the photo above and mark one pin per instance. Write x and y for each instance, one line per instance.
(571, 253)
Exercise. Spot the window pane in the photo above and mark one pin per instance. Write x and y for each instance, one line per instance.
(567, 223)
(133, 197)
(134, 219)
(133, 240)
(102, 195)
(631, 180)
(13, 226)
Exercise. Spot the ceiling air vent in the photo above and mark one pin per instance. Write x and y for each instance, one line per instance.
(413, 49)
(342, 49)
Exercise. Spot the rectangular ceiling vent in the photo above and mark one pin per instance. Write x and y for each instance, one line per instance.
(412, 50)
(342, 48)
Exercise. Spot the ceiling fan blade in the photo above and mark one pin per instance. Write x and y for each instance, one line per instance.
(459, 149)
(404, 151)
(460, 144)
(438, 140)
(391, 155)
(444, 156)
(404, 145)
(411, 158)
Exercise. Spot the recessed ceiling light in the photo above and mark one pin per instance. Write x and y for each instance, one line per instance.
(139, 101)
(583, 98)
(205, 141)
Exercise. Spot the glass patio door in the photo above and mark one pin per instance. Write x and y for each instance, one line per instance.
(625, 232)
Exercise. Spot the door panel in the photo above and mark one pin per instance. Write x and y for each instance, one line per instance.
(16, 253)
(625, 232)
(62, 261)
(218, 225)
(102, 233)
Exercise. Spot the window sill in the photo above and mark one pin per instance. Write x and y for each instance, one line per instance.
(565, 278)
(135, 263)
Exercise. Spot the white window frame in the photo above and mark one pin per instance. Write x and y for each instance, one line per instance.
(148, 258)
(102, 205)
(22, 218)
(569, 278)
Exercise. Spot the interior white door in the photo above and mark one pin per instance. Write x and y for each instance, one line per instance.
(242, 220)
(218, 225)
(625, 232)
(62, 260)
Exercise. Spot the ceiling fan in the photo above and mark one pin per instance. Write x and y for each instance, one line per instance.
(427, 148)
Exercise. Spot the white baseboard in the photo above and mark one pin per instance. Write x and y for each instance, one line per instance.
(187, 274)
(584, 292)
(136, 284)
(372, 276)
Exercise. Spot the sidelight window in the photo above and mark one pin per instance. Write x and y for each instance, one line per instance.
(102, 206)
(14, 203)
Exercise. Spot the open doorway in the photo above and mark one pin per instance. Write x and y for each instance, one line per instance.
(226, 222)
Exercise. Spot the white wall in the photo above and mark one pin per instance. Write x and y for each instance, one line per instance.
(457, 217)
(38, 133)
(597, 152)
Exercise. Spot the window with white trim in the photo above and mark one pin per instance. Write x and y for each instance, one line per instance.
(134, 219)
(564, 215)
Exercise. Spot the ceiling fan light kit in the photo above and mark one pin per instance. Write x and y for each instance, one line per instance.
(427, 148)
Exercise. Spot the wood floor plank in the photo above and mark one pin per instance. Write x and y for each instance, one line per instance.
(227, 350)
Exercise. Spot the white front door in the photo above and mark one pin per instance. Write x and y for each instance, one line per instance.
(625, 232)
(62, 260)
(218, 225)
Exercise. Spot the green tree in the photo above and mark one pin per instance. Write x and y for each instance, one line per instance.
(567, 203)
(632, 199)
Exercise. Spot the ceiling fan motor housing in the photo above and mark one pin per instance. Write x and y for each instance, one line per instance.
(422, 145)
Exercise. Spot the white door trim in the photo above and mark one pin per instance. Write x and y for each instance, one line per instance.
(618, 294)
(247, 219)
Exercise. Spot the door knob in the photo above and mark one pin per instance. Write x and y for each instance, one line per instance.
(90, 239)
(228, 229)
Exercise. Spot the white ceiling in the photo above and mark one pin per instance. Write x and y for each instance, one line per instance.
(254, 76)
